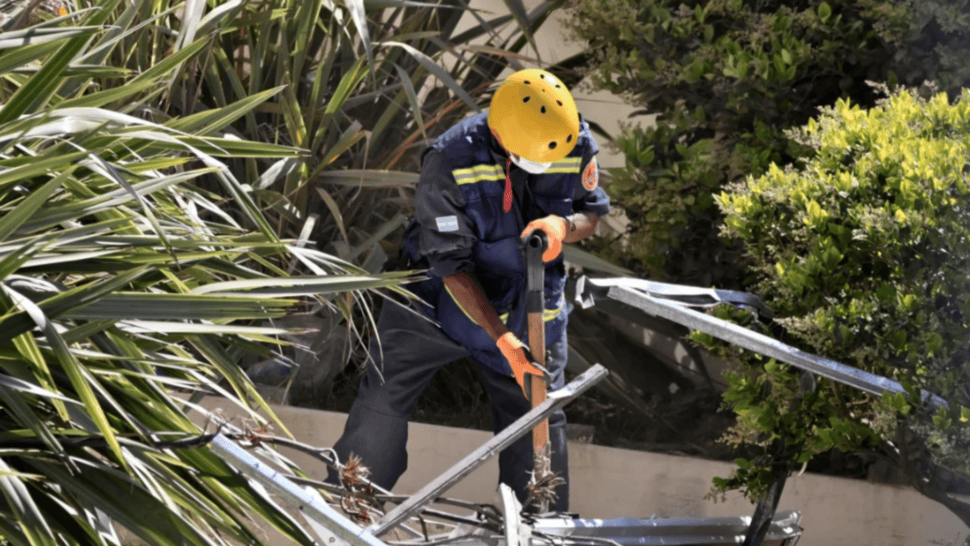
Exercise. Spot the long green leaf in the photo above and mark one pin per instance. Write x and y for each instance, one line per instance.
(39, 167)
(350, 80)
(439, 72)
(19, 408)
(126, 502)
(119, 306)
(27, 346)
(120, 29)
(412, 95)
(108, 201)
(32, 521)
(210, 121)
(379, 233)
(76, 298)
(335, 211)
(191, 19)
(42, 86)
(170, 327)
(223, 12)
(21, 38)
(350, 136)
(358, 14)
(298, 286)
(307, 15)
(25, 55)
(75, 372)
(13, 260)
(225, 147)
(522, 18)
(148, 79)
(83, 71)
(370, 178)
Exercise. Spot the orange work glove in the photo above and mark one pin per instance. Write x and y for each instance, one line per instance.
(514, 351)
(555, 229)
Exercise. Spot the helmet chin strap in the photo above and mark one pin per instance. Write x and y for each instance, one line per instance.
(507, 195)
(531, 167)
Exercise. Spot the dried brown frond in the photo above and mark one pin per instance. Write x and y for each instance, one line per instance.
(543, 488)
(358, 509)
(354, 478)
(354, 473)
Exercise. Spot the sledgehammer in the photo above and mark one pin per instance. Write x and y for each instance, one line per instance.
(535, 245)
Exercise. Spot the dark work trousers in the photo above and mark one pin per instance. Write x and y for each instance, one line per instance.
(414, 349)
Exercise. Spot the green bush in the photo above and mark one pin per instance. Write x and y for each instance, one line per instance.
(863, 251)
(726, 78)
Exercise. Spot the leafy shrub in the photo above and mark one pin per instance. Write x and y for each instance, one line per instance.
(726, 78)
(863, 252)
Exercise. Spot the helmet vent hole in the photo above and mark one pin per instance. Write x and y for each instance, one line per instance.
(552, 145)
(543, 76)
(542, 110)
(559, 102)
(526, 99)
(527, 82)
(569, 138)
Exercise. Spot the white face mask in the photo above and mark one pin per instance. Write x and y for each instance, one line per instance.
(531, 167)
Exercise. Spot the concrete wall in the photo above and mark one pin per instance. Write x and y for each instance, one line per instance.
(609, 483)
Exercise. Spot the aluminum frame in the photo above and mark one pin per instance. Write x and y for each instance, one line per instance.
(742, 337)
(556, 400)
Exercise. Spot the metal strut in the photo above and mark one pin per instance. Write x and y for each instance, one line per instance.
(331, 526)
(555, 401)
(628, 292)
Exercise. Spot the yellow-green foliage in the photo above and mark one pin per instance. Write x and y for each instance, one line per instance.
(726, 79)
(863, 250)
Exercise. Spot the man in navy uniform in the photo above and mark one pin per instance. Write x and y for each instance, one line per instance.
(528, 163)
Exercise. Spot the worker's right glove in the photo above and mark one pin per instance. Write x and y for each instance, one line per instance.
(555, 230)
(514, 352)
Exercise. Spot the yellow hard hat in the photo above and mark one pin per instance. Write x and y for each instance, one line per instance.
(534, 116)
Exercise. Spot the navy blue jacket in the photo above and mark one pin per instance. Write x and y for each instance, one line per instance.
(460, 224)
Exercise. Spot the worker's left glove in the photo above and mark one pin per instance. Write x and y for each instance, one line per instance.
(515, 353)
(555, 230)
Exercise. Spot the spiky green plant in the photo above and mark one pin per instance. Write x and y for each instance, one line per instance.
(122, 281)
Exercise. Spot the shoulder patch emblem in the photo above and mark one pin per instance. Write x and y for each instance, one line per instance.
(447, 223)
(591, 176)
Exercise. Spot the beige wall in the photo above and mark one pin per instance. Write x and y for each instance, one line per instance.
(609, 483)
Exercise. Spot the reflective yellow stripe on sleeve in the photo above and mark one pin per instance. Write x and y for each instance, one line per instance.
(551, 314)
(569, 165)
(478, 173)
